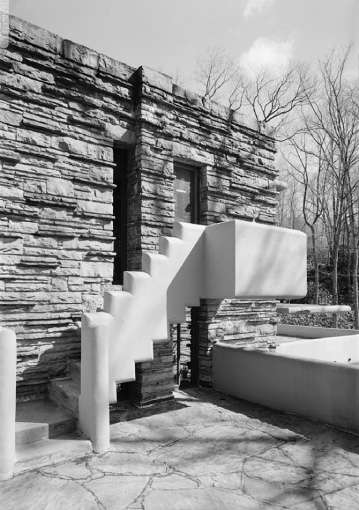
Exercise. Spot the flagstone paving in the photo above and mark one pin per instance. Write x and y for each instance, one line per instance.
(204, 451)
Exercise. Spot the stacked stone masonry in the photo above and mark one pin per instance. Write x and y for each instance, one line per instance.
(63, 109)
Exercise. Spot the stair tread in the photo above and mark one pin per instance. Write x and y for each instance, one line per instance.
(68, 384)
(41, 419)
(39, 412)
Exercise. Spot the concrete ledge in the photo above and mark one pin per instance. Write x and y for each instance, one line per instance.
(285, 308)
(343, 349)
(321, 390)
(313, 331)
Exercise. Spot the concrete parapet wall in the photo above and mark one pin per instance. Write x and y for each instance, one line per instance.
(254, 261)
(325, 391)
(312, 331)
(341, 348)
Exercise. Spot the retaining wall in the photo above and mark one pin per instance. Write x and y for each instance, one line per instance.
(322, 390)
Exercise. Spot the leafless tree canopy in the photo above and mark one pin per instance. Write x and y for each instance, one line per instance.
(270, 97)
(325, 150)
(219, 77)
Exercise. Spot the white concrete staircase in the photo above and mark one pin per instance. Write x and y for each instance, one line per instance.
(146, 306)
(225, 260)
(145, 295)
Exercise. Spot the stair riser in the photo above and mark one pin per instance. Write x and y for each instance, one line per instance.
(32, 435)
(64, 398)
(75, 370)
(45, 431)
(65, 427)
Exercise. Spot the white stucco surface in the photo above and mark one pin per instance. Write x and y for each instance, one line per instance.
(252, 260)
(7, 402)
(318, 389)
(341, 349)
(312, 331)
(225, 260)
(326, 344)
(140, 313)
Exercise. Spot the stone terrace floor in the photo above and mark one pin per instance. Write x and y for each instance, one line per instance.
(205, 451)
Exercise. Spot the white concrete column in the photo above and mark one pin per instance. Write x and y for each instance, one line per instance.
(7, 402)
(94, 399)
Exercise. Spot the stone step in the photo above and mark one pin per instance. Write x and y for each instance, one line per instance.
(65, 392)
(50, 451)
(75, 370)
(41, 419)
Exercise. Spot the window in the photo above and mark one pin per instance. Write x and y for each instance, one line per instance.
(186, 193)
(185, 336)
(120, 213)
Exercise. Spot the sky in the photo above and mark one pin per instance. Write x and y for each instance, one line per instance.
(168, 35)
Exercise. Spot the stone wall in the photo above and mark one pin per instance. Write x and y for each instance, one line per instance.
(237, 181)
(244, 323)
(63, 108)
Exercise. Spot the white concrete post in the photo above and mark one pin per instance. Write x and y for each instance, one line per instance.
(94, 399)
(7, 402)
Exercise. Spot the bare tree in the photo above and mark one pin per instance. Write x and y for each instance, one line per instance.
(289, 203)
(215, 69)
(306, 164)
(270, 97)
(273, 97)
(334, 114)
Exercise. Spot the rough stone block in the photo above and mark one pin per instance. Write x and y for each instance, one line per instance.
(35, 35)
(115, 68)
(80, 54)
(33, 137)
(62, 187)
(156, 79)
(11, 118)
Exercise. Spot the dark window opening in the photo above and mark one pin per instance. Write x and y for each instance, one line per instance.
(186, 193)
(185, 336)
(120, 157)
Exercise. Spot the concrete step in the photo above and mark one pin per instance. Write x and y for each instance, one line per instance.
(46, 434)
(41, 419)
(74, 368)
(65, 392)
(50, 451)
